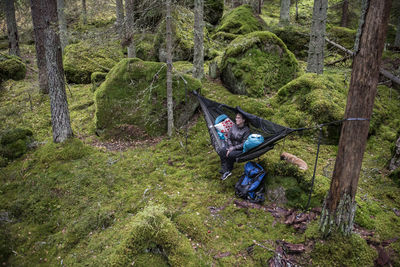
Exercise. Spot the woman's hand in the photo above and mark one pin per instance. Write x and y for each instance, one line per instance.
(229, 151)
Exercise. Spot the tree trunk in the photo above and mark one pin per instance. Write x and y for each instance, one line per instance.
(397, 40)
(345, 14)
(315, 60)
(395, 161)
(120, 16)
(84, 13)
(198, 59)
(63, 24)
(12, 30)
(339, 206)
(130, 28)
(170, 105)
(297, 10)
(285, 12)
(55, 73)
(260, 2)
(38, 28)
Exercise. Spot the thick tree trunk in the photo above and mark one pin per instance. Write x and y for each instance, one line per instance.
(198, 59)
(315, 60)
(285, 12)
(345, 14)
(339, 206)
(63, 24)
(12, 30)
(397, 40)
(130, 28)
(38, 28)
(170, 105)
(84, 12)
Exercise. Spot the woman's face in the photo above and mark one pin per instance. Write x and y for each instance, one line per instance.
(239, 120)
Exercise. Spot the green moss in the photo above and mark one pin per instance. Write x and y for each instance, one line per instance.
(151, 232)
(82, 59)
(96, 79)
(14, 135)
(192, 226)
(296, 38)
(145, 47)
(11, 67)
(240, 21)
(14, 143)
(71, 149)
(395, 176)
(257, 63)
(343, 36)
(342, 251)
(134, 93)
(312, 99)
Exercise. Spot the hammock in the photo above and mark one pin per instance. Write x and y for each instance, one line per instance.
(271, 132)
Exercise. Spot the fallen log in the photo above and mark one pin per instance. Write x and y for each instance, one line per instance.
(382, 71)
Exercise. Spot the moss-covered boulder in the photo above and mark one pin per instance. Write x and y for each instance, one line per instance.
(151, 237)
(84, 58)
(14, 143)
(312, 99)
(257, 63)
(240, 20)
(11, 67)
(296, 39)
(134, 93)
(182, 37)
(97, 78)
(343, 36)
(145, 47)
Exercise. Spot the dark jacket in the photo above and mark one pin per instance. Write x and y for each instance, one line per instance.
(237, 136)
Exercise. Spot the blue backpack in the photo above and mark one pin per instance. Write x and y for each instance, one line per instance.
(251, 184)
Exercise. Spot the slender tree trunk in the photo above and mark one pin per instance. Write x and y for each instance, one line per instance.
(315, 60)
(198, 59)
(13, 41)
(120, 16)
(170, 105)
(285, 12)
(397, 40)
(260, 2)
(339, 206)
(84, 13)
(345, 14)
(297, 10)
(38, 28)
(130, 28)
(63, 24)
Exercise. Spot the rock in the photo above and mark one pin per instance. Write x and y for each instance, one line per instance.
(256, 64)
(11, 67)
(134, 93)
(14, 143)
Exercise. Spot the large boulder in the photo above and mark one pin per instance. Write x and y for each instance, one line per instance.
(257, 63)
(133, 97)
(11, 67)
(238, 21)
(14, 143)
(84, 58)
(296, 38)
(312, 99)
(182, 37)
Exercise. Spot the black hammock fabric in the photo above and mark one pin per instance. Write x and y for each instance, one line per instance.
(271, 132)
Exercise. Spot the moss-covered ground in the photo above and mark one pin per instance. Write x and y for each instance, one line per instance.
(160, 202)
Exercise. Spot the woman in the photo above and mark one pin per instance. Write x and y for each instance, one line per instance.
(237, 135)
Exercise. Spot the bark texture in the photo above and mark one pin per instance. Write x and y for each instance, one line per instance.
(395, 161)
(12, 30)
(198, 58)
(119, 6)
(84, 12)
(63, 24)
(170, 105)
(397, 39)
(37, 9)
(55, 73)
(315, 60)
(344, 22)
(339, 206)
(285, 12)
(130, 28)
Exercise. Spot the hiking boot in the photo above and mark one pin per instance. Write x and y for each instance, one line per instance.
(225, 175)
